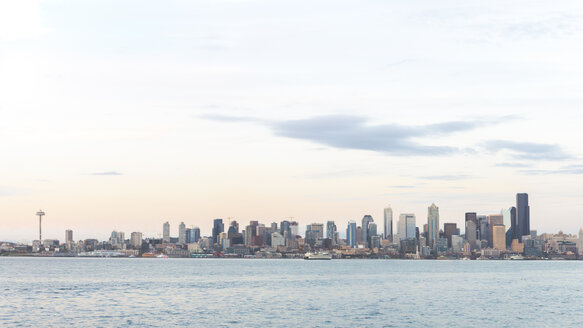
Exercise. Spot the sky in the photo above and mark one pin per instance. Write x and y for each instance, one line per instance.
(121, 115)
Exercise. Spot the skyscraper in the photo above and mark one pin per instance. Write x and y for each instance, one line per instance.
(449, 229)
(388, 223)
(499, 237)
(182, 233)
(406, 227)
(218, 227)
(365, 221)
(472, 230)
(166, 232)
(351, 234)
(331, 231)
(495, 220)
(136, 239)
(432, 225)
(523, 215)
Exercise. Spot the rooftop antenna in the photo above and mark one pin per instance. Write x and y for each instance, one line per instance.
(40, 215)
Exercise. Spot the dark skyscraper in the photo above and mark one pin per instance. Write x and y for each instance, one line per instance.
(218, 227)
(513, 224)
(449, 229)
(522, 215)
(472, 230)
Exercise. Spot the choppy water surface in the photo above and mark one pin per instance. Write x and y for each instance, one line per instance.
(288, 293)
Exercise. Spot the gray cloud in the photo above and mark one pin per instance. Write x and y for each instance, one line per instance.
(354, 132)
(106, 173)
(528, 150)
(569, 170)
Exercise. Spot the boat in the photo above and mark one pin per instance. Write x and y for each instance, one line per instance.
(318, 256)
(517, 257)
(162, 256)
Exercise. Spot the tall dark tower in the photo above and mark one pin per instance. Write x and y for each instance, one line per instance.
(218, 227)
(513, 224)
(522, 215)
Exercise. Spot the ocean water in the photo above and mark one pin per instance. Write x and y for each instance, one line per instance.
(93, 292)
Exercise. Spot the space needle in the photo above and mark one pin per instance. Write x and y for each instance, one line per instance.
(40, 215)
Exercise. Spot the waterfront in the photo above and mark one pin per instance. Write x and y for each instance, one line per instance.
(60, 292)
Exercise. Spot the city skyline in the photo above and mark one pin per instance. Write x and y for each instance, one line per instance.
(192, 111)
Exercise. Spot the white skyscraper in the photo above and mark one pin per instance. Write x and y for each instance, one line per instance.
(389, 223)
(166, 232)
(406, 227)
(182, 233)
(432, 225)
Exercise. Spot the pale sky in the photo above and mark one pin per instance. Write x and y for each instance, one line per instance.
(120, 115)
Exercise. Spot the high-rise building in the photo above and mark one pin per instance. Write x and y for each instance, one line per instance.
(523, 215)
(449, 229)
(182, 233)
(388, 232)
(406, 227)
(250, 232)
(166, 232)
(372, 232)
(432, 225)
(494, 220)
(294, 228)
(498, 237)
(218, 227)
(69, 239)
(472, 230)
(284, 227)
(136, 239)
(483, 229)
(365, 222)
(195, 234)
(351, 234)
(331, 231)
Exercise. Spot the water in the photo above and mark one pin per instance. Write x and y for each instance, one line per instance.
(90, 292)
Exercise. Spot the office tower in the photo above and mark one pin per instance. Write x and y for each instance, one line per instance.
(331, 231)
(351, 234)
(136, 239)
(277, 239)
(166, 232)
(182, 233)
(294, 227)
(69, 239)
(406, 227)
(372, 232)
(523, 215)
(432, 225)
(499, 236)
(365, 222)
(233, 229)
(472, 230)
(314, 232)
(218, 227)
(358, 234)
(284, 227)
(494, 220)
(388, 223)
(449, 229)
(274, 226)
(483, 229)
(195, 234)
(250, 232)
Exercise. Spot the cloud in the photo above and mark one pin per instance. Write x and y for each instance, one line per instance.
(455, 177)
(512, 165)
(106, 173)
(569, 170)
(354, 132)
(528, 150)
(403, 187)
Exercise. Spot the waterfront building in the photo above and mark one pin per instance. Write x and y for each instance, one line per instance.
(449, 229)
(218, 227)
(388, 221)
(517, 246)
(432, 225)
(498, 237)
(166, 232)
(457, 244)
(351, 234)
(136, 239)
(523, 215)
(182, 233)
